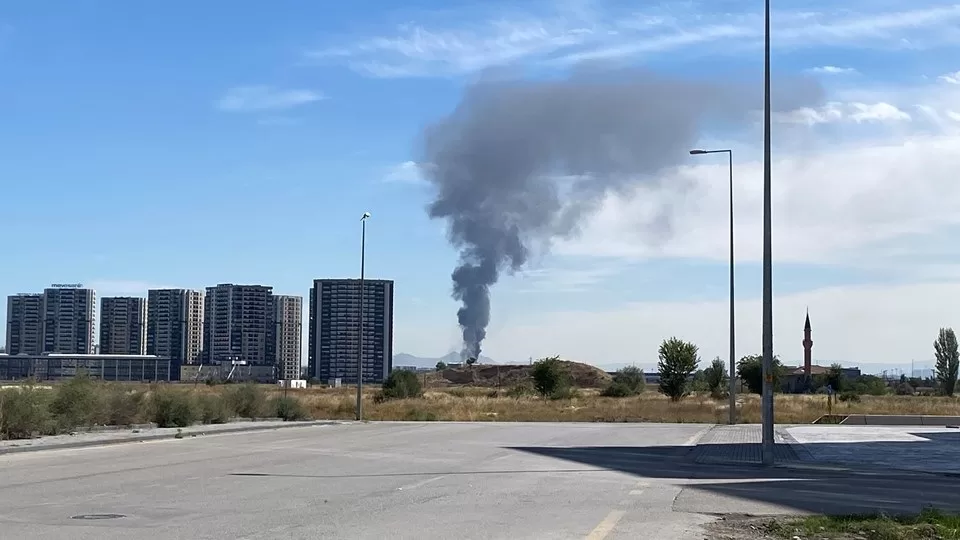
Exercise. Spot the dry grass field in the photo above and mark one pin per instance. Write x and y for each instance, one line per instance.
(32, 410)
(485, 404)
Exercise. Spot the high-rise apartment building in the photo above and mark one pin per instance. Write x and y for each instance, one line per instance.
(123, 325)
(334, 330)
(24, 324)
(69, 315)
(238, 324)
(287, 320)
(175, 325)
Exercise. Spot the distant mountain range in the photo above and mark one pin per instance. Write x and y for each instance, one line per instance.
(404, 359)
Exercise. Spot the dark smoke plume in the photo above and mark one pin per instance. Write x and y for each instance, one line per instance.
(519, 163)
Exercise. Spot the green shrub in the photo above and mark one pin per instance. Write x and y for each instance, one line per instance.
(123, 407)
(716, 378)
(519, 390)
(24, 412)
(77, 403)
(628, 381)
(565, 392)
(402, 384)
(852, 397)
(549, 376)
(173, 408)
(247, 400)
(213, 409)
(617, 390)
(288, 408)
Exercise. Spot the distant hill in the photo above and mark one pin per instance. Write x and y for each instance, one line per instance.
(502, 375)
(404, 359)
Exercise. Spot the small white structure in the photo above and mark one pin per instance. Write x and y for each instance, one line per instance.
(292, 383)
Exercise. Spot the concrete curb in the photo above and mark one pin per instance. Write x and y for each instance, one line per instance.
(143, 437)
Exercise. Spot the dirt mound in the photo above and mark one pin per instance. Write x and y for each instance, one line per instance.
(583, 375)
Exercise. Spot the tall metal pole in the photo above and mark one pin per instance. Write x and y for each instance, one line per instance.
(733, 348)
(363, 253)
(766, 448)
(733, 339)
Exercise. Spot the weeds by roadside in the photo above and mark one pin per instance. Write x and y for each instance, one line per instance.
(31, 410)
(81, 403)
(928, 525)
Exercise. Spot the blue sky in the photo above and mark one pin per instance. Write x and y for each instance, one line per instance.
(186, 144)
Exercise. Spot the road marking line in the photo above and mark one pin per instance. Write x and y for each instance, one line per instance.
(606, 526)
(696, 436)
(421, 483)
(636, 492)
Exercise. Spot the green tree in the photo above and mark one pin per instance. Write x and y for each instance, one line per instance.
(441, 365)
(549, 376)
(750, 371)
(948, 360)
(678, 360)
(835, 378)
(628, 381)
(402, 384)
(716, 377)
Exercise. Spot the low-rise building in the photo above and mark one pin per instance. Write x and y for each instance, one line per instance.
(105, 367)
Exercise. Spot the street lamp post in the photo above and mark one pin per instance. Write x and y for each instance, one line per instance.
(363, 252)
(733, 349)
(766, 448)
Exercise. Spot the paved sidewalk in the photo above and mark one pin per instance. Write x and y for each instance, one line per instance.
(889, 448)
(118, 436)
(741, 444)
(906, 448)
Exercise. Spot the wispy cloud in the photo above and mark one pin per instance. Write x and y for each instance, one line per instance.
(845, 112)
(568, 280)
(952, 78)
(562, 36)
(833, 70)
(265, 98)
(408, 172)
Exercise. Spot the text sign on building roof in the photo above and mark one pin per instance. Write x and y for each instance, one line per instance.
(67, 285)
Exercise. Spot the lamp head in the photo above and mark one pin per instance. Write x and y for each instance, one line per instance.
(697, 152)
(365, 216)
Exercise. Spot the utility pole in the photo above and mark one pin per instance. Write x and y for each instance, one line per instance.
(363, 251)
(766, 448)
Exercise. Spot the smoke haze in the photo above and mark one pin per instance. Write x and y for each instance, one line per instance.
(519, 163)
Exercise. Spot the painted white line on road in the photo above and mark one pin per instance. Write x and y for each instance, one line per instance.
(606, 526)
(421, 483)
(696, 436)
(636, 492)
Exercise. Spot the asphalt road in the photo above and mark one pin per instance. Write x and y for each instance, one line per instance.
(402, 480)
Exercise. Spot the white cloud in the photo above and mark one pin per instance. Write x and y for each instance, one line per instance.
(566, 36)
(407, 172)
(265, 98)
(833, 70)
(826, 206)
(952, 78)
(838, 112)
(842, 199)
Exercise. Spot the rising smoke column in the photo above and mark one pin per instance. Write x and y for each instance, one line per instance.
(519, 163)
